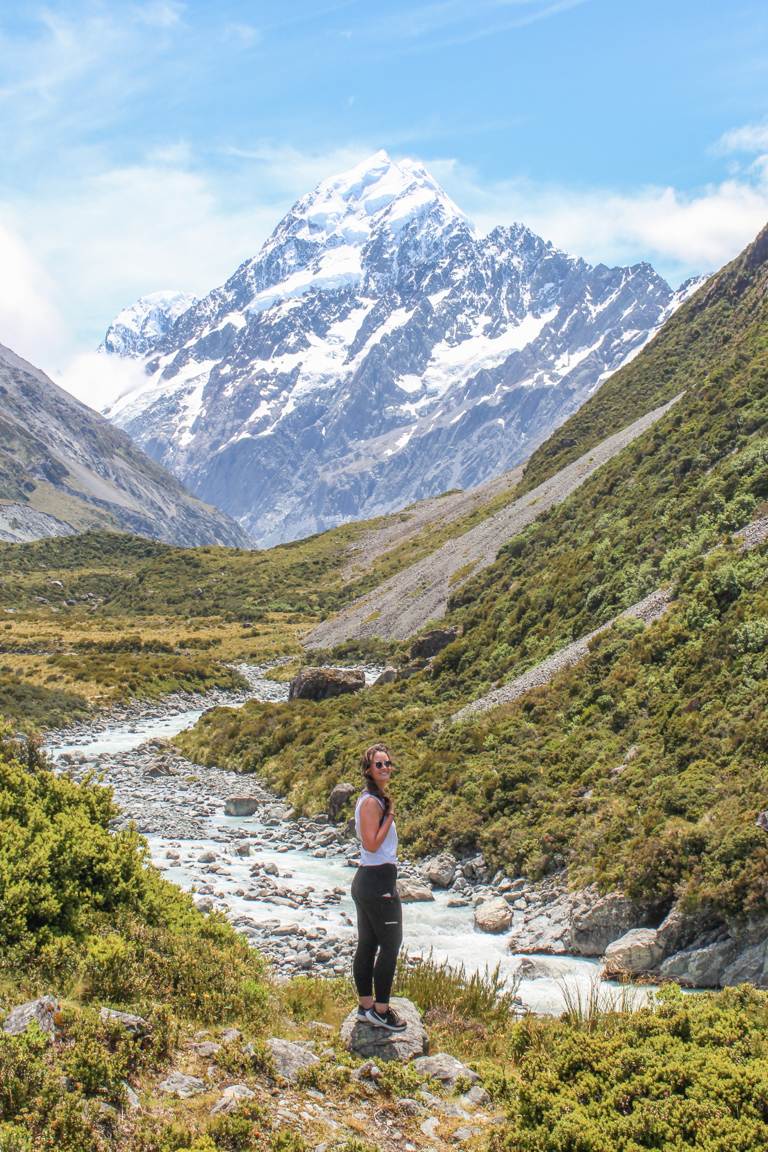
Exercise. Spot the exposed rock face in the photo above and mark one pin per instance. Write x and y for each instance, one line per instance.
(65, 469)
(41, 1012)
(289, 1058)
(493, 915)
(636, 952)
(426, 646)
(376, 351)
(231, 1099)
(595, 925)
(378, 1044)
(339, 796)
(699, 967)
(135, 1025)
(323, 683)
(241, 805)
(177, 1084)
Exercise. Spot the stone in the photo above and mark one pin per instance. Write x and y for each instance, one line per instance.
(636, 952)
(290, 1058)
(428, 645)
(132, 1102)
(231, 1099)
(135, 1025)
(207, 1049)
(240, 806)
(445, 1068)
(388, 676)
(476, 1097)
(182, 1086)
(749, 967)
(441, 870)
(412, 891)
(700, 967)
(340, 794)
(324, 683)
(603, 920)
(378, 1044)
(529, 969)
(493, 915)
(41, 1012)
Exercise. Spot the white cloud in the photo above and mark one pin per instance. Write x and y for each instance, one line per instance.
(160, 13)
(98, 380)
(747, 138)
(30, 321)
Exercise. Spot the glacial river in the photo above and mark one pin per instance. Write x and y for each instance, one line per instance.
(430, 927)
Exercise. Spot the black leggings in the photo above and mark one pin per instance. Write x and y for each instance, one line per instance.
(379, 926)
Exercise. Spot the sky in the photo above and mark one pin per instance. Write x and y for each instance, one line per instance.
(155, 144)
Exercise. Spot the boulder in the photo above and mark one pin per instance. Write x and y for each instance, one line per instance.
(412, 891)
(41, 1012)
(339, 796)
(231, 1099)
(323, 683)
(700, 967)
(493, 915)
(377, 1044)
(445, 1068)
(240, 805)
(441, 870)
(135, 1025)
(749, 967)
(598, 922)
(634, 953)
(182, 1086)
(426, 646)
(388, 676)
(289, 1058)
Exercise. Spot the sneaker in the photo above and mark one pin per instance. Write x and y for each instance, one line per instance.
(389, 1020)
(362, 1013)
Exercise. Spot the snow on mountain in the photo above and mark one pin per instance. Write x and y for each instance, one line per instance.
(374, 352)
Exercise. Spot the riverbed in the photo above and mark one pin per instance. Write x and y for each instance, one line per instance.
(282, 881)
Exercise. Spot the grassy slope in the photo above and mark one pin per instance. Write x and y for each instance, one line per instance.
(533, 784)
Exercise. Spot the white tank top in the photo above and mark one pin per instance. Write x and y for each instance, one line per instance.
(386, 853)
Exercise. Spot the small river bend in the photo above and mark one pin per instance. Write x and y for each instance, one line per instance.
(283, 882)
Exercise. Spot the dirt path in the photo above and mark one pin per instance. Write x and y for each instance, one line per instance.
(406, 602)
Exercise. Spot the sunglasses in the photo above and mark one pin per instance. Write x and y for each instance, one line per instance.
(382, 763)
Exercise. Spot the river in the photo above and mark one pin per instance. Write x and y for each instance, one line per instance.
(282, 881)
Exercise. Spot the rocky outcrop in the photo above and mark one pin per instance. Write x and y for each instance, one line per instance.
(339, 797)
(41, 1012)
(177, 1084)
(594, 924)
(426, 646)
(412, 891)
(377, 1044)
(290, 1058)
(324, 683)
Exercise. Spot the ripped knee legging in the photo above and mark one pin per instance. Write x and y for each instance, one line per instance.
(379, 930)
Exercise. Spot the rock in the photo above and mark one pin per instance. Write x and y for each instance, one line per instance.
(388, 676)
(594, 927)
(231, 1099)
(428, 645)
(41, 1012)
(413, 891)
(636, 952)
(339, 796)
(700, 967)
(476, 1097)
(323, 683)
(243, 850)
(182, 1086)
(445, 1068)
(762, 821)
(132, 1102)
(493, 915)
(290, 1058)
(207, 1049)
(136, 1025)
(441, 870)
(367, 1071)
(465, 1133)
(377, 1044)
(749, 967)
(533, 970)
(240, 806)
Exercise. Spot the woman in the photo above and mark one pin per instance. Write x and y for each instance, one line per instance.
(374, 891)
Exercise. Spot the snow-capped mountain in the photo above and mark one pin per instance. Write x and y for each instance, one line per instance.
(375, 351)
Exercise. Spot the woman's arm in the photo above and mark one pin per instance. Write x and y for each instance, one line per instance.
(372, 833)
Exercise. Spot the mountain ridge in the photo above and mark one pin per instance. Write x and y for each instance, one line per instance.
(376, 351)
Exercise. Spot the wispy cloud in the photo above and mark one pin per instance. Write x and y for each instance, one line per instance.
(751, 138)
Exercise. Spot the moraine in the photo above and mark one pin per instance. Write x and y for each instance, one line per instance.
(282, 881)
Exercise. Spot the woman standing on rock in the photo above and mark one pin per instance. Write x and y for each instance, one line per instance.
(374, 891)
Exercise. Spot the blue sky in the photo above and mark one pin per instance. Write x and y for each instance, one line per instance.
(155, 143)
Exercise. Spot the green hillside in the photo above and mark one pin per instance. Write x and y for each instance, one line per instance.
(534, 784)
